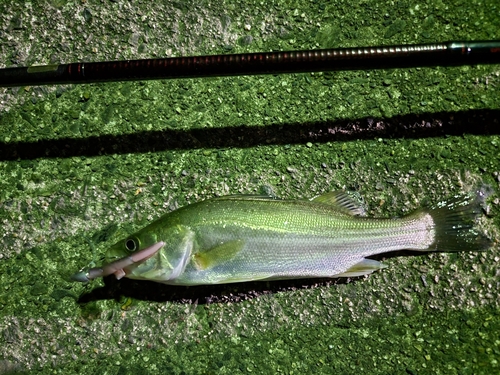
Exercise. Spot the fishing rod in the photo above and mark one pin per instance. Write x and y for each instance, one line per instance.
(361, 58)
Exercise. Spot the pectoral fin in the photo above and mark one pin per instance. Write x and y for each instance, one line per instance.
(365, 267)
(217, 255)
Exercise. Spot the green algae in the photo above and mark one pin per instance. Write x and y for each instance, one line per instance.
(86, 164)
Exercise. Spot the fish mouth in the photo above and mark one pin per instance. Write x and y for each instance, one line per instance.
(120, 267)
(124, 266)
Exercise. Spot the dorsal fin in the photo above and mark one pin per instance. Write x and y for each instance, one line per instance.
(347, 202)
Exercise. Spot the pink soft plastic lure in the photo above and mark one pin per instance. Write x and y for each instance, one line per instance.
(117, 267)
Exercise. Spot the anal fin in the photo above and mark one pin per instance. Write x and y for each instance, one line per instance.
(365, 267)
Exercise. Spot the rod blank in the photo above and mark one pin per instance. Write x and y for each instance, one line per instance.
(364, 58)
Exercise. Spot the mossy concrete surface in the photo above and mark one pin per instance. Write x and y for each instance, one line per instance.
(82, 166)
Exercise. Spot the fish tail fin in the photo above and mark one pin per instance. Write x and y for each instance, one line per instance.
(454, 221)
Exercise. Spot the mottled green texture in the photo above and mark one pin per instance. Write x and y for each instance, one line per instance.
(93, 163)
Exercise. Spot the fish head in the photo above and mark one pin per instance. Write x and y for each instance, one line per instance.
(166, 262)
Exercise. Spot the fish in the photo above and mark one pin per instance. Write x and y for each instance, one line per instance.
(240, 238)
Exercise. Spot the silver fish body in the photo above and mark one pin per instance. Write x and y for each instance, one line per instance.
(246, 238)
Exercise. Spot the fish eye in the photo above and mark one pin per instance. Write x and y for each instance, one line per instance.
(131, 245)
